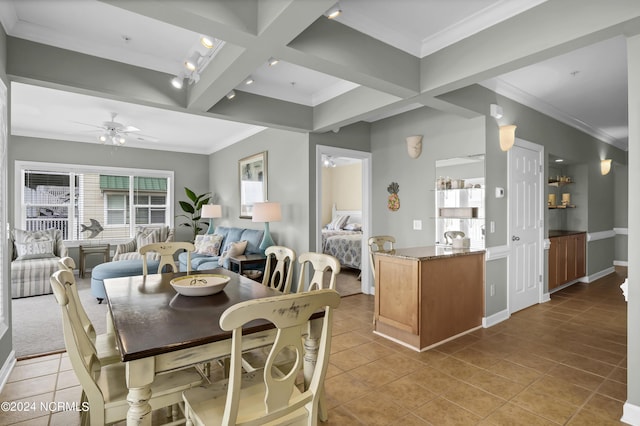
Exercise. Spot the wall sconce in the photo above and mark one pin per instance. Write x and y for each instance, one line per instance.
(605, 166)
(507, 137)
(414, 146)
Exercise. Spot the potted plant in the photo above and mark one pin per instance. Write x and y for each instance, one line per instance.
(192, 209)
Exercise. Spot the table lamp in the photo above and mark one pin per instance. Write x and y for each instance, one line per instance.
(266, 212)
(211, 211)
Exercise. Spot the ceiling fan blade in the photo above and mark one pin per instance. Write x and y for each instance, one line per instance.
(144, 138)
(129, 129)
(90, 125)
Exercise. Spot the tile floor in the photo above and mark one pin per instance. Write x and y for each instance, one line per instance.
(561, 362)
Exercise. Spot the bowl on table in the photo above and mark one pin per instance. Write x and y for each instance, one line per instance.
(200, 284)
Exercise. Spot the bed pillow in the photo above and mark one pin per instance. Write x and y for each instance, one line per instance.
(353, 227)
(338, 223)
(209, 244)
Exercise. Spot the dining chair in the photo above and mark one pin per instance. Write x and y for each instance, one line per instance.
(279, 276)
(104, 386)
(105, 343)
(449, 236)
(376, 244)
(166, 252)
(268, 395)
(320, 262)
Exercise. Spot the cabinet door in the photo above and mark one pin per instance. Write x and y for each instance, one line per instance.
(561, 260)
(572, 273)
(397, 291)
(553, 263)
(581, 255)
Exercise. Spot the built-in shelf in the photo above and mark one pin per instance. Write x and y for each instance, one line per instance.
(571, 206)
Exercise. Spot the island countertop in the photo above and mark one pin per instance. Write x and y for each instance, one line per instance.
(428, 252)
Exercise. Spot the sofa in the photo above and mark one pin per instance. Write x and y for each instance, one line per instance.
(146, 234)
(35, 257)
(210, 247)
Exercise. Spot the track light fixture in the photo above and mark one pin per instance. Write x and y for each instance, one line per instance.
(177, 81)
(192, 62)
(196, 62)
(273, 61)
(334, 12)
(231, 94)
(207, 42)
(249, 80)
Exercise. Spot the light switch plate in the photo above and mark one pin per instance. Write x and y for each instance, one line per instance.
(417, 225)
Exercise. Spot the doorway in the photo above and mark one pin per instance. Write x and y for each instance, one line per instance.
(526, 225)
(364, 159)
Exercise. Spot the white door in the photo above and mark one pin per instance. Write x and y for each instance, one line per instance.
(525, 225)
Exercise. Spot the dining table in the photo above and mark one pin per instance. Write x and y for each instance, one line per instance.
(159, 330)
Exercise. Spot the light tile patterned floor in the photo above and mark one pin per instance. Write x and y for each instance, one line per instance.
(562, 362)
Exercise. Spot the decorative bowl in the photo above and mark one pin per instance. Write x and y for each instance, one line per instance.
(200, 284)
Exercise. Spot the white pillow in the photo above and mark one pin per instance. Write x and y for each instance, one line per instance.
(235, 248)
(338, 223)
(209, 244)
(36, 249)
(353, 227)
(147, 236)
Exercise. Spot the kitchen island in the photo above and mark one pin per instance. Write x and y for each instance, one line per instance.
(428, 295)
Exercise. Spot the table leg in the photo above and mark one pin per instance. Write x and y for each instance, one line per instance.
(140, 374)
(311, 345)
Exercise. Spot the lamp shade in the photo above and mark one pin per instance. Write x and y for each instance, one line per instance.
(507, 137)
(266, 212)
(605, 166)
(211, 211)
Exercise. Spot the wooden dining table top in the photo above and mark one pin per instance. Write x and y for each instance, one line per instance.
(150, 318)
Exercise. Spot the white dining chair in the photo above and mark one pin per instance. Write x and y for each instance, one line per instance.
(166, 252)
(320, 263)
(268, 395)
(279, 275)
(104, 343)
(379, 243)
(104, 386)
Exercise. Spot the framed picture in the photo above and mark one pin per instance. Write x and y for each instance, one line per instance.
(253, 182)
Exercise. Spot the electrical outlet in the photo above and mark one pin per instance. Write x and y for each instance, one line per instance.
(492, 290)
(417, 225)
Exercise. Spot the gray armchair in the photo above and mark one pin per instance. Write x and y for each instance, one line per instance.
(35, 257)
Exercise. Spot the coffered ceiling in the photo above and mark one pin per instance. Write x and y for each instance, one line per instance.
(376, 59)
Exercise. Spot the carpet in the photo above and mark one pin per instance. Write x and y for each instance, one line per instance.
(37, 321)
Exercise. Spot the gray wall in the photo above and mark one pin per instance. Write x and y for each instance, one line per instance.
(621, 202)
(288, 184)
(444, 136)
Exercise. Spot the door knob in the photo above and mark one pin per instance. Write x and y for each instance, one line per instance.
(514, 238)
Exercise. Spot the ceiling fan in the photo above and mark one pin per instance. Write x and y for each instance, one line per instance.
(117, 133)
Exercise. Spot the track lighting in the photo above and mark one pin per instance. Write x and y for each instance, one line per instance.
(177, 81)
(249, 80)
(192, 62)
(231, 94)
(206, 42)
(334, 12)
(273, 61)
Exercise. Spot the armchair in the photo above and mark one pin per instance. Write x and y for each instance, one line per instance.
(144, 235)
(35, 257)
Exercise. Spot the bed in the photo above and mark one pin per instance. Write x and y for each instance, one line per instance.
(342, 238)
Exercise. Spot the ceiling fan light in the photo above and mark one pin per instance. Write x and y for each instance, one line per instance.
(103, 138)
(206, 42)
(177, 82)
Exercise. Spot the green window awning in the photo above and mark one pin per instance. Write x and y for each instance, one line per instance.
(121, 183)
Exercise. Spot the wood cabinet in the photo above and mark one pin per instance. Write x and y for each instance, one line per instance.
(567, 258)
(427, 295)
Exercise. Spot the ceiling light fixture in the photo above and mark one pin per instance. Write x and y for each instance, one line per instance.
(334, 12)
(192, 62)
(197, 61)
(231, 94)
(273, 61)
(113, 136)
(207, 42)
(177, 81)
(249, 80)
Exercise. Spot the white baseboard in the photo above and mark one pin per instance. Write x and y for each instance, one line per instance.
(495, 318)
(620, 263)
(591, 278)
(630, 414)
(6, 369)
(546, 297)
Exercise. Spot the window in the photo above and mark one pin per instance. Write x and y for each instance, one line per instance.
(91, 203)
